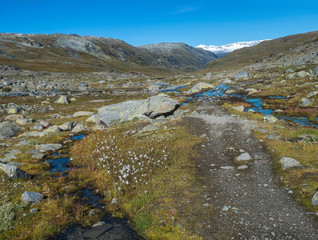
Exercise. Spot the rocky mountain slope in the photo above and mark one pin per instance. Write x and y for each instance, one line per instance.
(221, 51)
(290, 50)
(180, 55)
(72, 53)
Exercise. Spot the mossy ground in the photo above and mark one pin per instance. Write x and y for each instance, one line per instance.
(149, 203)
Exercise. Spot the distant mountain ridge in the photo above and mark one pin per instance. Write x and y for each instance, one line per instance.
(73, 53)
(180, 54)
(297, 49)
(223, 50)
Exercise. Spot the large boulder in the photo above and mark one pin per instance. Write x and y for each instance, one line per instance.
(244, 74)
(8, 130)
(158, 106)
(141, 109)
(115, 113)
(13, 171)
(199, 87)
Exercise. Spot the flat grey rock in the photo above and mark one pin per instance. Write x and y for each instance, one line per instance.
(82, 113)
(8, 130)
(13, 171)
(31, 197)
(149, 128)
(289, 163)
(79, 128)
(244, 157)
(240, 75)
(314, 199)
(116, 113)
(37, 126)
(239, 108)
(48, 147)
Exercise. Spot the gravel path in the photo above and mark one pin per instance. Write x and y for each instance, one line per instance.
(239, 204)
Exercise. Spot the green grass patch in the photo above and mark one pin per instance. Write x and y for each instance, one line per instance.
(143, 171)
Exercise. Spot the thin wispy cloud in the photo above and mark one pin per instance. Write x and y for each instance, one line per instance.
(186, 9)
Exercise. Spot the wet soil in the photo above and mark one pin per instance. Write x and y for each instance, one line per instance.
(238, 204)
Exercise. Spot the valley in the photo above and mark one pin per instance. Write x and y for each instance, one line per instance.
(103, 140)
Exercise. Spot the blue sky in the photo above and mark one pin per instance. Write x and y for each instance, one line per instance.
(153, 21)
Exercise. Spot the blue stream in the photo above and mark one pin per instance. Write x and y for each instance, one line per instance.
(256, 102)
(59, 165)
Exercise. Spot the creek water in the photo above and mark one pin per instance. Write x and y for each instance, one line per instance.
(257, 103)
(108, 227)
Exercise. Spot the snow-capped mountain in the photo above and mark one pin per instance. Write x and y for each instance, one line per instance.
(223, 50)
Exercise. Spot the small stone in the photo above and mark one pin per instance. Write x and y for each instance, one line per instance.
(37, 126)
(48, 147)
(305, 102)
(314, 199)
(239, 109)
(289, 163)
(94, 118)
(242, 167)
(114, 201)
(33, 210)
(68, 126)
(13, 117)
(62, 100)
(227, 167)
(270, 118)
(244, 74)
(24, 121)
(52, 130)
(225, 208)
(149, 128)
(31, 197)
(79, 128)
(82, 113)
(244, 157)
(302, 74)
(36, 154)
(98, 224)
(14, 172)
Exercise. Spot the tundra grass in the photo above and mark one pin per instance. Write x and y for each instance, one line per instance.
(140, 174)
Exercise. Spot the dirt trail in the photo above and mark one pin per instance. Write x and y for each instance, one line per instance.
(239, 204)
